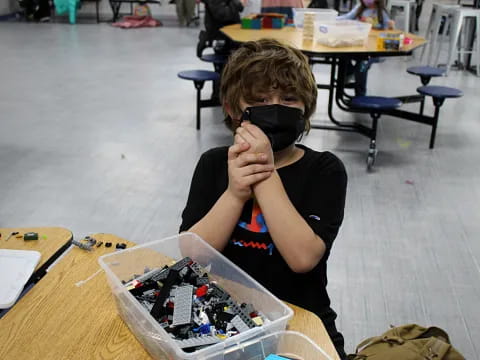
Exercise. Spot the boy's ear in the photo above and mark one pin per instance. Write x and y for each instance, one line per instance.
(228, 110)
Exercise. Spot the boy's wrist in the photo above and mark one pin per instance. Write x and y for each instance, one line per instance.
(274, 177)
(233, 199)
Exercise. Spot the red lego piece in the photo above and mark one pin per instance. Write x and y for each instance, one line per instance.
(137, 283)
(267, 22)
(170, 305)
(201, 291)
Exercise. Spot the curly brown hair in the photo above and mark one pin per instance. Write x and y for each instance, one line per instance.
(266, 65)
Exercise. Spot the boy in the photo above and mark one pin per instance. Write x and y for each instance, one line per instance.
(272, 207)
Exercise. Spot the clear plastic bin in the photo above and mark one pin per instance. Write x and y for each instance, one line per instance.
(342, 33)
(291, 344)
(124, 264)
(320, 15)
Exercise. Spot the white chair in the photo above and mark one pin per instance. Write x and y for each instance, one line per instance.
(439, 11)
(460, 17)
(408, 7)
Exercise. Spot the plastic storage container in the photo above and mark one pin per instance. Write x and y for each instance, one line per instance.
(290, 344)
(342, 33)
(123, 265)
(320, 15)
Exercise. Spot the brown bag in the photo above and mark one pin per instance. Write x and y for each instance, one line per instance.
(408, 342)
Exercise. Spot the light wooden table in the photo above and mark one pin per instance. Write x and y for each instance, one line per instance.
(51, 243)
(59, 320)
(292, 36)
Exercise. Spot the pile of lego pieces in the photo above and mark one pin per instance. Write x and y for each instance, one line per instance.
(195, 311)
(264, 21)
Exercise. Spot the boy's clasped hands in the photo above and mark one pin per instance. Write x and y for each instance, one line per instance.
(250, 160)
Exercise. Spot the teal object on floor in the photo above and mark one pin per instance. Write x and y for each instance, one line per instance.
(68, 6)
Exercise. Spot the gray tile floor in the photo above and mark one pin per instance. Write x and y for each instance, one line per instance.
(97, 135)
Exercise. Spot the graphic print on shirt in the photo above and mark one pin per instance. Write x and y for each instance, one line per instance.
(252, 221)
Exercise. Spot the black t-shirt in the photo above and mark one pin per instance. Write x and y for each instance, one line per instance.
(316, 186)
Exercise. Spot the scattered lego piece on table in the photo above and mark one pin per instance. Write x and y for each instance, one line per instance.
(11, 234)
(108, 244)
(30, 236)
(81, 245)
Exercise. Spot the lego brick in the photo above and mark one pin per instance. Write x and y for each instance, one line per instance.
(257, 320)
(238, 323)
(179, 265)
(197, 269)
(198, 341)
(218, 292)
(267, 22)
(158, 309)
(182, 311)
(248, 308)
(278, 23)
(246, 23)
(256, 24)
(202, 281)
(243, 315)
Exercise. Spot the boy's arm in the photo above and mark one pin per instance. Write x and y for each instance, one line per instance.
(217, 226)
(244, 169)
(299, 246)
(294, 238)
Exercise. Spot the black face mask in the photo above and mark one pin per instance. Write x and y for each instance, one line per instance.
(282, 124)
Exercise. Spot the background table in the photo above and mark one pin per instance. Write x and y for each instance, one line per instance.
(292, 36)
(58, 319)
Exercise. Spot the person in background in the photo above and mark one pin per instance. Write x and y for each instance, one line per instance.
(185, 11)
(373, 12)
(271, 206)
(219, 13)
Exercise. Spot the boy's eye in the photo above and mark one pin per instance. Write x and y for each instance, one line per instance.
(290, 98)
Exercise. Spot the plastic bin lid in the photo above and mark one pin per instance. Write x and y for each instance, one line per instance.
(16, 267)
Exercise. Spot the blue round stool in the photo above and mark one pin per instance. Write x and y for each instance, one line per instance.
(199, 77)
(217, 60)
(438, 94)
(425, 72)
(375, 105)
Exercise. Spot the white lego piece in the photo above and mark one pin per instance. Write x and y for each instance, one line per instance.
(239, 324)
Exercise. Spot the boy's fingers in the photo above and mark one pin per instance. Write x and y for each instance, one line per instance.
(244, 133)
(246, 158)
(255, 168)
(255, 178)
(238, 139)
(236, 149)
(254, 130)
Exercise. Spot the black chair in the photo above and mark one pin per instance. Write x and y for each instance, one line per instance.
(438, 94)
(199, 77)
(375, 105)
